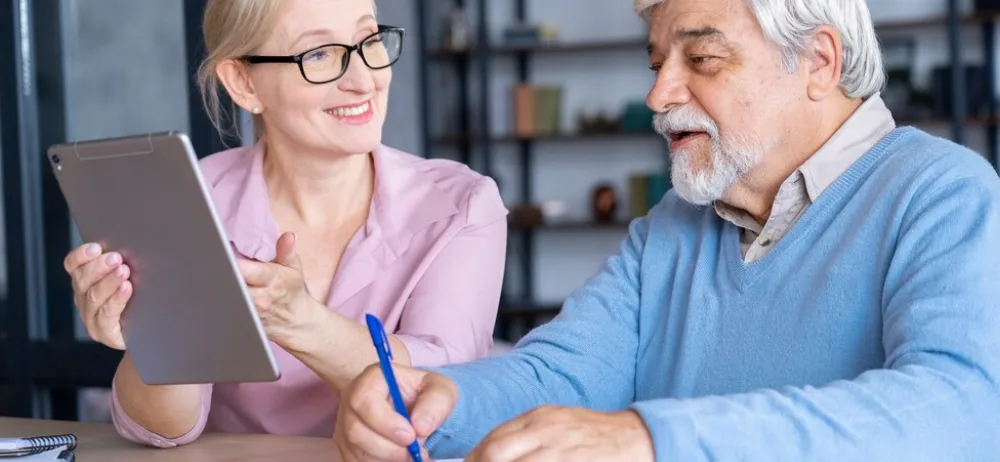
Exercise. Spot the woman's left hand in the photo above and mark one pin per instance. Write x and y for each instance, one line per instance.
(278, 290)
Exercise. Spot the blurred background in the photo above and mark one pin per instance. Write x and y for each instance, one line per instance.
(546, 96)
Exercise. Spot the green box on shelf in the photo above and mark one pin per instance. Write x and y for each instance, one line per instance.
(637, 118)
(656, 187)
(645, 191)
(548, 109)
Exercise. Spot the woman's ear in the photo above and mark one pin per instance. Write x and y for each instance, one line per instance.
(235, 77)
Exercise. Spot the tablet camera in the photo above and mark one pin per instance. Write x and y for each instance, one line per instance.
(55, 160)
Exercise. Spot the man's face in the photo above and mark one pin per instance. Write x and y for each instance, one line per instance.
(721, 95)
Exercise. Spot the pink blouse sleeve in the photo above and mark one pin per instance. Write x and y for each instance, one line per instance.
(134, 432)
(451, 313)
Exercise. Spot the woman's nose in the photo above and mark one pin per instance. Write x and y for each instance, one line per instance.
(358, 77)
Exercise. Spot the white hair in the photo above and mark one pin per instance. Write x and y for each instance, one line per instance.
(789, 23)
(731, 156)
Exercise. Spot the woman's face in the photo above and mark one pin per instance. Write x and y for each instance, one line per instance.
(344, 116)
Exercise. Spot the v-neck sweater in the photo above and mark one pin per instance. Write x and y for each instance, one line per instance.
(871, 331)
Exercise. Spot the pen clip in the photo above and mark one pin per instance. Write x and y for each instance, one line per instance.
(385, 343)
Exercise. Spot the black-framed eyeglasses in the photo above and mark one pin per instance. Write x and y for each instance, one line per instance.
(329, 62)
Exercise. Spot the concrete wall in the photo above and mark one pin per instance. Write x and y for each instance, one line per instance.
(125, 67)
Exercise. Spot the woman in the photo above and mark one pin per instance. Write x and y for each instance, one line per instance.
(330, 224)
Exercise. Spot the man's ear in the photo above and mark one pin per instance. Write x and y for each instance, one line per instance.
(235, 77)
(824, 58)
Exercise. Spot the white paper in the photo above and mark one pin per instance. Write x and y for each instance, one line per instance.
(50, 455)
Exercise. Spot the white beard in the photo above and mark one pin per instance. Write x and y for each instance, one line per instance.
(731, 156)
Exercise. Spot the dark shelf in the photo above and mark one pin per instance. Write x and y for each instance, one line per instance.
(455, 138)
(574, 226)
(556, 47)
(972, 18)
(640, 43)
(527, 311)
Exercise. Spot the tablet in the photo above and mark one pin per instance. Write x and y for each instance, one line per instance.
(190, 318)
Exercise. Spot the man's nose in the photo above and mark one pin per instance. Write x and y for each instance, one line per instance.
(669, 90)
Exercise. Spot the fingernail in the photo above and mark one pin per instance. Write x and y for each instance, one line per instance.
(93, 250)
(120, 272)
(123, 287)
(113, 258)
(403, 437)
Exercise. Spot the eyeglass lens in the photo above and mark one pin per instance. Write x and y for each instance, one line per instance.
(327, 63)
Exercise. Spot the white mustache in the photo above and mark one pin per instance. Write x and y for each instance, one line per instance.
(684, 119)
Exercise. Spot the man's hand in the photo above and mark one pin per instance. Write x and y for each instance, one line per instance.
(551, 433)
(369, 428)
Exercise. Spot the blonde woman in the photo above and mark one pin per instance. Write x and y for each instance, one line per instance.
(330, 224)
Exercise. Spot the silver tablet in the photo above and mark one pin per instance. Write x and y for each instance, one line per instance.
(190, 318)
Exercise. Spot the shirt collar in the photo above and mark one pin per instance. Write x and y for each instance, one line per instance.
(865, 127)
(405, 200)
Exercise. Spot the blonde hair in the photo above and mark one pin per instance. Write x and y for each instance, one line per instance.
(231, 28)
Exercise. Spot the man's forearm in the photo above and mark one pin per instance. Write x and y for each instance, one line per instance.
(338, 349)
(915, 412)
(166, 410)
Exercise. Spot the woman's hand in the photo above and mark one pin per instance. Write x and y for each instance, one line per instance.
(278, 290)
(101, 289)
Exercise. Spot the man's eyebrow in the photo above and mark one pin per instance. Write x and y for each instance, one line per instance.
(707, 32)
(701, 32)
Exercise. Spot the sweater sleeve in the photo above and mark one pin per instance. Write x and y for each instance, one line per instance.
(936, 396)
(584, 357)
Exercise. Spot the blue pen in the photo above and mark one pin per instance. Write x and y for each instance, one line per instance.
(381, 342)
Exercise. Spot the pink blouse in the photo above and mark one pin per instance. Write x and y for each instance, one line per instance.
(428, 262)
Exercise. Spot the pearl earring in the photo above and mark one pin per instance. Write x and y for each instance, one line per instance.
(256, 110)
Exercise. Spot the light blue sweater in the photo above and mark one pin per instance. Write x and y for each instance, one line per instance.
(870, 332)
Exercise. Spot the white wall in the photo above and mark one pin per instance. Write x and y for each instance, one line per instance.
(567, 171)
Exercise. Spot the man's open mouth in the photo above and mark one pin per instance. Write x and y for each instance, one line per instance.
(682, 135)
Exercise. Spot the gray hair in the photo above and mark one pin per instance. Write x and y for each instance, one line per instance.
(789, 23)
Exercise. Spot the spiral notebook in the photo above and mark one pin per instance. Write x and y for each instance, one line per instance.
(39, 448)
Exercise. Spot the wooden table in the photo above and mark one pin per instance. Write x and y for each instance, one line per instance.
(100, 442)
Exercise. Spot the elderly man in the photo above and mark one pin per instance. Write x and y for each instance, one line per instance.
(821, 285)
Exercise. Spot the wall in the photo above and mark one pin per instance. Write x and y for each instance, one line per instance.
(145, 84)
(3, 243)
(403, 120)
(126, 73)
(566, 171)
(125, 67)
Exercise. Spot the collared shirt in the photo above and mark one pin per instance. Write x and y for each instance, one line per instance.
(428, 262)
(869, 123)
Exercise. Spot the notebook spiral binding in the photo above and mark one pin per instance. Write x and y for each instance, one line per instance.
(41, 444)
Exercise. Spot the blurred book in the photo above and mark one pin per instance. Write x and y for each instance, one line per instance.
(645, 191)
(537, 110)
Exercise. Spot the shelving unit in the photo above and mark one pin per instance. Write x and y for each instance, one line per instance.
(521, 308)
